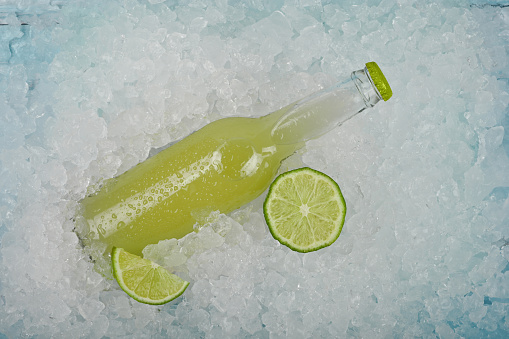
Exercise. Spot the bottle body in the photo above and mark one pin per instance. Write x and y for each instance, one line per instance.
(222, 166)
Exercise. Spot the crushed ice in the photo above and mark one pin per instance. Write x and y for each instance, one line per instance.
(88, 88)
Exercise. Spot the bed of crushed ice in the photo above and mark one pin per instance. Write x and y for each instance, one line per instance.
(88, 88)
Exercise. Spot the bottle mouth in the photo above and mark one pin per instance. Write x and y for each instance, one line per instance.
(366, 87)
(379, 81)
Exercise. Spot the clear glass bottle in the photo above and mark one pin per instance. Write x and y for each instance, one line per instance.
(222, 166)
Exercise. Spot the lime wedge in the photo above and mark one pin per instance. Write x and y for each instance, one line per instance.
(144, 280)
(381, 83)
(304, 210)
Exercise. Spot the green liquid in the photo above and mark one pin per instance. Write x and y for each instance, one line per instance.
(221, 167)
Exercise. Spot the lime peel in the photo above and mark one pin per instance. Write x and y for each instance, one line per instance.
(144, 280)
(304, 210)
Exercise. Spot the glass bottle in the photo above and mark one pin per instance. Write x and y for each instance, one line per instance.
(222, 166)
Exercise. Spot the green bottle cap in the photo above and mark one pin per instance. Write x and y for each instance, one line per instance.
(379, 80)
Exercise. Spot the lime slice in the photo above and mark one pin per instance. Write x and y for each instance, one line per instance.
(144, 280)
(304, 210)
(381, 83)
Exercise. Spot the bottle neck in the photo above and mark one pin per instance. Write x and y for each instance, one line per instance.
(317, 114)
(366, 88)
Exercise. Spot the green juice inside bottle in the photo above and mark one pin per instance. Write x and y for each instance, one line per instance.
(222, 166)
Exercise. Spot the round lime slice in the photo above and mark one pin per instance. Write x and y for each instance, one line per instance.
(144, 280)
(379, 80)
(305, 210)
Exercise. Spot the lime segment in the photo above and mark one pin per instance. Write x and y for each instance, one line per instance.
(144, 280)
(305, 210)
(381, 83)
